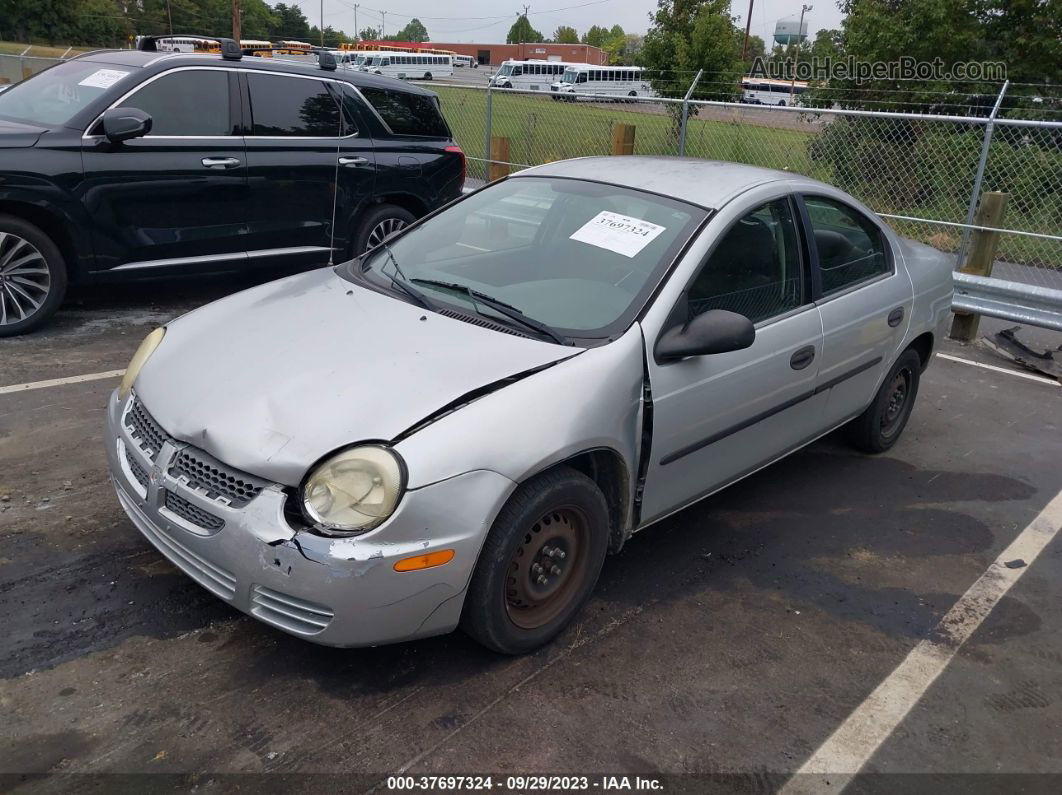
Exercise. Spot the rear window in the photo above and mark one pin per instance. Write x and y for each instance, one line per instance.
(408, 114)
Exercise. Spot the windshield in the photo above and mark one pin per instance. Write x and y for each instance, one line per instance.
(56, 95)
(506, 70)
(579, 257)
(569, 76)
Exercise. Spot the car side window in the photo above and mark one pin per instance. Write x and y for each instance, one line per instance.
(851, 247)
(192, 102)
(755, 268)
(407, 113)
(293, 106)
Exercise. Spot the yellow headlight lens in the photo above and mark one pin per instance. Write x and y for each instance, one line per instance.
(355, 490)
(143, 353)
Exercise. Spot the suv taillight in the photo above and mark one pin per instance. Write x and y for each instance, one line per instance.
(464, 164)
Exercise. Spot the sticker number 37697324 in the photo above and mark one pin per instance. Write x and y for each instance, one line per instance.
(619, 233)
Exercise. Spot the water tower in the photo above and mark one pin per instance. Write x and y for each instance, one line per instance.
(790, 31)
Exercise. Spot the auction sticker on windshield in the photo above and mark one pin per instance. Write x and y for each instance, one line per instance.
(103, 78)
(619, 233)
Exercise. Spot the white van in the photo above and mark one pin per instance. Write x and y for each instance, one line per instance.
(412, 66)
(466, 60)
(613, 81)
(529, 75)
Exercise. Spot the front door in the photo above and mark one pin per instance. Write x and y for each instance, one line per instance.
(177, 197)
(300, 145)
(865, 304)
(719, 417)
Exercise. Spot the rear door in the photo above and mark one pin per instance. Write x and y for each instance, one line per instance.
(864, 300)
(300, 147)
(177, 197)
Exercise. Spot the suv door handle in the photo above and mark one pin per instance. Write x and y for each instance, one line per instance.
(353, 161)
(802, 357)
(220, 162)
(895, 316)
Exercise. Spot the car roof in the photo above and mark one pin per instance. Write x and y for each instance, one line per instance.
(707, 183)
(250, 62)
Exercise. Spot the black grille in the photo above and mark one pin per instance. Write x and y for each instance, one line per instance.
(190, 513)
(137, 470)
(479, 321)
(206, 472)
(147, 433)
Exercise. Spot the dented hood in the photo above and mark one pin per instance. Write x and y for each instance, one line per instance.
(271, 379)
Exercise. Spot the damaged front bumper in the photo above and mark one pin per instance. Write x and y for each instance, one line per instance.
(228, 532)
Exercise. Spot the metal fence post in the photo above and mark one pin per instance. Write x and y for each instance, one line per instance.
(686, 113)
(487, 131)
(975, 193)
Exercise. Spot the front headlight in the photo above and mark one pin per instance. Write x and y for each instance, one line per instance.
(355, 490)
(143, 353)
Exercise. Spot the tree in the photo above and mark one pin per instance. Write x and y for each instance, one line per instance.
(289, 23)
(413, 31)
(566, 34)
(521, 32)
(688, 36)
(369, 34)
(596, 36)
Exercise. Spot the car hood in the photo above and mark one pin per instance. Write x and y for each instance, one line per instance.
(274, 378)
(16, 135)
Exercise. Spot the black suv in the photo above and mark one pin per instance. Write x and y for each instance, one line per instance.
(129, 162)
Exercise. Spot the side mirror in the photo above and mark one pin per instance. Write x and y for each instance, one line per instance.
(121, 124)
(715, 331)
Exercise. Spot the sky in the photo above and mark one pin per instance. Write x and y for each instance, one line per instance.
(488, 21)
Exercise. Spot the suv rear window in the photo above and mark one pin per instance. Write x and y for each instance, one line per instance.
(407, 113)
(293, 106)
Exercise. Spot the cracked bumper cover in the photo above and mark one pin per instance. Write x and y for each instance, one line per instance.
(333, 591)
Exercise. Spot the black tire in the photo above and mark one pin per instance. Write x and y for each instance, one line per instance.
(382, 215)
(536, 527)
(881, 425)
(30, 292)
(427, 75)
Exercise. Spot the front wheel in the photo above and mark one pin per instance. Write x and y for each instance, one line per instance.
(378, 224)
(32, 276)
(880, 426)
(539, 564)
(427, 75)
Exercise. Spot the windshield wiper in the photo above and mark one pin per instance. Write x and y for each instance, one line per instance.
(510, 311)
(402, 283)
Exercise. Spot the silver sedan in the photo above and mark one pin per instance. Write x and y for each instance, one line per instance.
(454, 429)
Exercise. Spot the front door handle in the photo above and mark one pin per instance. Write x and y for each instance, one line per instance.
(353, 161)
(896, 316)
(802, 357)
(221, 162)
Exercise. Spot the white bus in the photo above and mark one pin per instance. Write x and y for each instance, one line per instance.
(414, 66)
(765, 91)
(529, 75)
(188, 44)
(614, 81)
(466, 60)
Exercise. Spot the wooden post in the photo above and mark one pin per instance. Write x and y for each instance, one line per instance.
(499, 158)
(982, 254)
(623, 139)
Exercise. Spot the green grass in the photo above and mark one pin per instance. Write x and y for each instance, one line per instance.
(42, 50)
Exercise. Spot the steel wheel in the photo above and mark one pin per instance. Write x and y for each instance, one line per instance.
(896, 402)
(25, 280)
(548, 568)
(383, 230)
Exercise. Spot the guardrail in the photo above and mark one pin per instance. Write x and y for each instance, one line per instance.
(1014, 301)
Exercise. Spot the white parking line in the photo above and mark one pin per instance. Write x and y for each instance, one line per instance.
(1030, 376)
(74, 379)
(843, 755)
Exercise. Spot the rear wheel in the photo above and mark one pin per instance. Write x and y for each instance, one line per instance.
(880, 426)
(539, 564)
(427, 75)
(32, 276)
(380, 223)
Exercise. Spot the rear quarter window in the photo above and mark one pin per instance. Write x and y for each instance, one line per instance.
(408, 114)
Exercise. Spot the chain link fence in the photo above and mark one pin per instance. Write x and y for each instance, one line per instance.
(923, 173)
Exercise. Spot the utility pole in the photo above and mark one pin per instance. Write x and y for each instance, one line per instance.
(236, 20)
(800, 32)
(383, 26)
(748, 24)
(357, 36)
(169, 16)
(322, 23)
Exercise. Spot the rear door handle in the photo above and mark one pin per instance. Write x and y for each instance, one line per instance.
(896, 316)
(353, 161)
(802, 357)
(220, 162)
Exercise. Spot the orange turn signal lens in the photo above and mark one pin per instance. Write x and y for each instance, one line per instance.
(432, 559)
